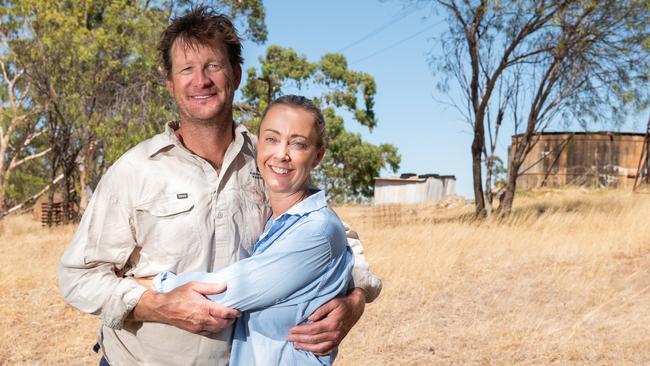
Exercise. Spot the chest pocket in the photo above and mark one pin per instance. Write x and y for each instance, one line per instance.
(167, 227)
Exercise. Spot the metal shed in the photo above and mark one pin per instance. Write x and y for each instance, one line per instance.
(594, 159)
(412, 188)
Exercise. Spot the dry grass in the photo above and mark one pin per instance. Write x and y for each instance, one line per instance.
(37, 327)
(564, 281)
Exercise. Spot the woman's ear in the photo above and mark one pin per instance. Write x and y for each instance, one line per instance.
(319, 157)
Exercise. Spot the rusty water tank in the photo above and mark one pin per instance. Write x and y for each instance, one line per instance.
(592, 159)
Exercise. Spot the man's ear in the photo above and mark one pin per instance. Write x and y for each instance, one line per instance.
(237, 72)
(169, 85)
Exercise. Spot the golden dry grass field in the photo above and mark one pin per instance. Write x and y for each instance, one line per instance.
(565, 280)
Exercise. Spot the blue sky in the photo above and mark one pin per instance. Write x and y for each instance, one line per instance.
(392, 43)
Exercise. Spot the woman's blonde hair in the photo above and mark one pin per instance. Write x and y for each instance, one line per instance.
(306, 104)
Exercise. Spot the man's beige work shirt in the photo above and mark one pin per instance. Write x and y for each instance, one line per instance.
(162, 208)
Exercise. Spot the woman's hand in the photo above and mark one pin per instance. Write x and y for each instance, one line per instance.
(330, 324)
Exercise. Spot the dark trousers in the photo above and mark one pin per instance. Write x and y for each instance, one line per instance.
(102, 361)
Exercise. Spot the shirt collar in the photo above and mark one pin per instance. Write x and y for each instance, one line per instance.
(164, 140)
(314, 202)
(168, 138)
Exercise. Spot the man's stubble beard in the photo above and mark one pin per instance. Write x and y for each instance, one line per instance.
(223, 117)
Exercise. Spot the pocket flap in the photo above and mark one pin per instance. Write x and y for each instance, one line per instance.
(167, 207)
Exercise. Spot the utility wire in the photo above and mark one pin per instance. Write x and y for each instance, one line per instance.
(376, 31)
(395, 44)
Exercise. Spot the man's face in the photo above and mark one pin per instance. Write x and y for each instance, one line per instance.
(202, 82)
(287, 149)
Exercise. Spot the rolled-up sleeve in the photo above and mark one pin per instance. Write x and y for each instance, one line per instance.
(101, 246)
(361, 275)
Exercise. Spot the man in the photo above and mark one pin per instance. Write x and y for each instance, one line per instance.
(189, 199)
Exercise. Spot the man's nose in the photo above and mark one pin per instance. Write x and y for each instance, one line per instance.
(201, 78)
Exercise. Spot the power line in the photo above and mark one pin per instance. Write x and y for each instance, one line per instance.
(377, 30)
(395, 44)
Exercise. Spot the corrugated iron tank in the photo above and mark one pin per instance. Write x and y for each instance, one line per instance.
(593, 159)
(411, 188)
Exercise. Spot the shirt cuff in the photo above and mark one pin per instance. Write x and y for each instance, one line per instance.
(124, 298)
(366, 281)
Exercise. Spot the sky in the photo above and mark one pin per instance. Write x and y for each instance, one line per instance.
(393, 43)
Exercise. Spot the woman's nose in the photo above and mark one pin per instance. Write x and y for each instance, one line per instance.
(281, 152)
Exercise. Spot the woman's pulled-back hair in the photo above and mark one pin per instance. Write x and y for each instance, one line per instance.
(306, 104)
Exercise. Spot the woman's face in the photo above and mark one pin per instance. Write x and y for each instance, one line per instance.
(287, 148)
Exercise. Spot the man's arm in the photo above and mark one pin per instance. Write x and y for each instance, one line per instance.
(101, 246)
(186, 308)
(332, 321)
(361, 276)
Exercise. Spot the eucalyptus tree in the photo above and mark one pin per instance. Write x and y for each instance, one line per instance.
(94, 75)
(348, 169)
(526, 66)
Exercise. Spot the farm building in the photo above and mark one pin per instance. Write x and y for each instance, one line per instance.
(412, 188)
(593, 159)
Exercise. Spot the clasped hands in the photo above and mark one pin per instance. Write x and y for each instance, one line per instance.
(186, 307)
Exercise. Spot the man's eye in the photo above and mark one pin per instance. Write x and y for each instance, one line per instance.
(214, 67)
(187, 70)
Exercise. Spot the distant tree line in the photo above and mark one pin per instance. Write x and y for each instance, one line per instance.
(81, 84)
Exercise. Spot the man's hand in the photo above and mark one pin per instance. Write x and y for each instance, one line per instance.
(186, 308)
(331, 323)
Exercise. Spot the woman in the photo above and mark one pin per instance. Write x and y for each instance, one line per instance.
(302, 259)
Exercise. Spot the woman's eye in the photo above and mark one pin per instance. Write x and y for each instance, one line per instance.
(270, 139)
(300, 145)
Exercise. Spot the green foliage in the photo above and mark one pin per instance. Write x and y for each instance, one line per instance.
(348, 169)
(255, 14)
(93, 67)
(26, 181)
(350, 164)
(90, 63)
(251, 14)
(499, 172)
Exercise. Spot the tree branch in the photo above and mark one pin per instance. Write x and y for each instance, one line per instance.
(47, 187)
(14, 164)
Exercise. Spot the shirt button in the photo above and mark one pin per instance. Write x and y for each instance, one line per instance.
(219, 214)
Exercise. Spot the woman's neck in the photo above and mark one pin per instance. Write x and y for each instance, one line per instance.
(282, 202)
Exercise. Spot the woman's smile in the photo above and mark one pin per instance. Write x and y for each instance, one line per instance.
(288, 150)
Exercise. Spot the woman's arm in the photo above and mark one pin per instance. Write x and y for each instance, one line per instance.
(289, 268)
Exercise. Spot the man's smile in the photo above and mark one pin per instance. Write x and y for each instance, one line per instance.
(202, 96)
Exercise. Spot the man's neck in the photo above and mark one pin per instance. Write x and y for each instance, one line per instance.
(207, 140)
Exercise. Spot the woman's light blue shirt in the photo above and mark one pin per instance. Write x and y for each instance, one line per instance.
(300, 262)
